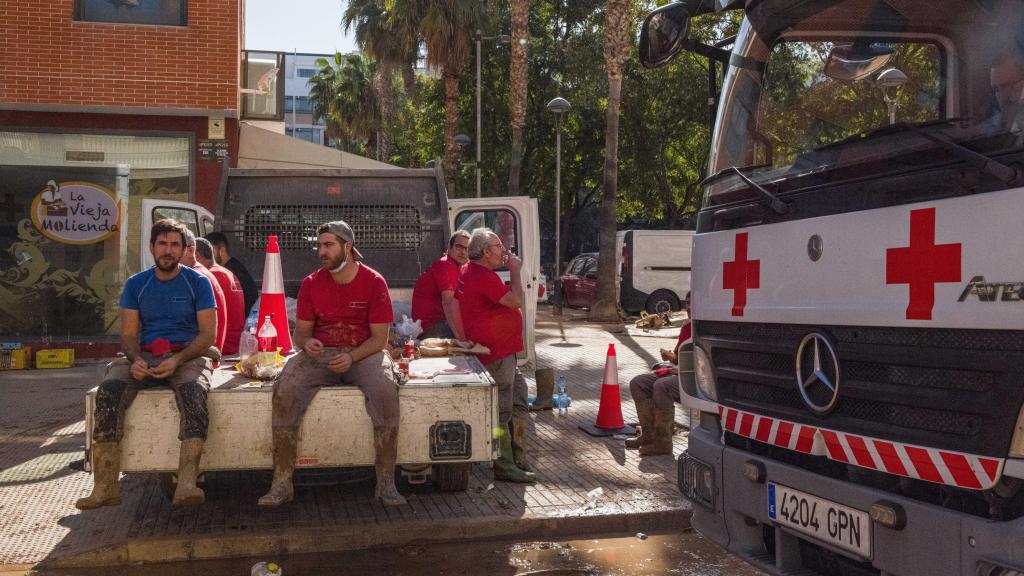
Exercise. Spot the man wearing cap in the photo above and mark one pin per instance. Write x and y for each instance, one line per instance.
(167, 325)
(189, 259)
(234, 296)
(433, 298)
(341, 327)
(491, 316)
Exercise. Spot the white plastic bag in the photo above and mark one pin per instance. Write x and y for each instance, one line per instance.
(408, 329)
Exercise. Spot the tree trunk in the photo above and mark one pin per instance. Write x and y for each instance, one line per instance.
(386, 97)
(451, 121)
(409, 81)
(518, 75)
(616, 49)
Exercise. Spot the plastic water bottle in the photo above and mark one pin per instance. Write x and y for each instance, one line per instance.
(252, 320)
(265, 569)
(562, 398)
(266, 340)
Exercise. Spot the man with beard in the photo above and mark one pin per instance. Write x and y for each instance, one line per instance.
(189, 259)
(168, 323)
(433, 298)
(341, 327)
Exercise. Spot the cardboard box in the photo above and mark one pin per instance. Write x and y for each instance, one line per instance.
(17, 359)
(55, 358)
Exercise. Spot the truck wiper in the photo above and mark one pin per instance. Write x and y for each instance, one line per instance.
(988, 165)
(773, 201)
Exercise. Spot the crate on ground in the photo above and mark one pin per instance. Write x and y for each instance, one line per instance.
(55, 358)
(15, 358)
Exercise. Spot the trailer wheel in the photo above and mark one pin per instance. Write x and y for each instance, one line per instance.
(168, 483)
(661, 301)
(452, 477)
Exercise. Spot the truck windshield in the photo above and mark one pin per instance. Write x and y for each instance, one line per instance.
(838, 88)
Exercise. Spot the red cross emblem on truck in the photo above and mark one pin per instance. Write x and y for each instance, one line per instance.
(923, 264)
(741, 275)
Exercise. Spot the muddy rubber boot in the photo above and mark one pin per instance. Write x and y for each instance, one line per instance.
(385, 443)
(281, 490)
(517, 427)
(106, 467)
(661, 443)
(645, 414)
(187, 493)
(505, 466)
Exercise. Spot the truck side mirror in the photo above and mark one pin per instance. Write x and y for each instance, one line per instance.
(663, 34)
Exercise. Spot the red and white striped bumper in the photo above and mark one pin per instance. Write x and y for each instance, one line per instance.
(939, 466)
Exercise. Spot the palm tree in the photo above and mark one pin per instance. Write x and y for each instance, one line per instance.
(447, 27)
(342, 93)
(518, 75)
(393, 46)
(617, 27)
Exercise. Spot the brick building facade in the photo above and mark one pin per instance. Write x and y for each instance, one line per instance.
(137, 99)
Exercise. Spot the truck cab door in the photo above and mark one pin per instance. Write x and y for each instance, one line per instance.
(515, 220)
(198, 219)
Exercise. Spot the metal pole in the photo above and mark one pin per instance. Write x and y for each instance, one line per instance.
(478, 38)
(558, 214)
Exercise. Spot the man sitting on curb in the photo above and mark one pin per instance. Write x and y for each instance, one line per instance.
(341, 327)
(168, 321)
(655, 395)
(433, 298)
(491, 316)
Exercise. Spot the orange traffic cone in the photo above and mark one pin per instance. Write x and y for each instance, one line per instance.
(272, 297)
(609, 413)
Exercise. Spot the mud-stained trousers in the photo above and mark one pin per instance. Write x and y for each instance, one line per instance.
(190, 383)
(512, 391)
(664, 390)
(303, 376)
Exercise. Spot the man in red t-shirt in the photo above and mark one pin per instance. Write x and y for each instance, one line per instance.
(341, 327)
(491, 316)
(189, 259)
(655, 394)
(234, 296)
(433, 298)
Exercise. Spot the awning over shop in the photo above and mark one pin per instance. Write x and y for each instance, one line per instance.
(259, 148)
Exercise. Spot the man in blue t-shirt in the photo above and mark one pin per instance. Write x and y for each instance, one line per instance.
(168, 323)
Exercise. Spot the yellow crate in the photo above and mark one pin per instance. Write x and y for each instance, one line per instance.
(16, 359)
(55, 358)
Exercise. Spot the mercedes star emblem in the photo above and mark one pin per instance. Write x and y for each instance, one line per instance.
(817, 373)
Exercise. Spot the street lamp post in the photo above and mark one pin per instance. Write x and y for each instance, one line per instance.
(558, 106)
(504, 39)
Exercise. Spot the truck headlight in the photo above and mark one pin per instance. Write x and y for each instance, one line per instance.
(704, 374)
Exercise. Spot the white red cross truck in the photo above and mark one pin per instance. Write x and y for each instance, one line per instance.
(858, 287)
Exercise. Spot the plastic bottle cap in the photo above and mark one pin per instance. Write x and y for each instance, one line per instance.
(273, 567)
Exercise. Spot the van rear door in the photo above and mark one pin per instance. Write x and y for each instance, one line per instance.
(198, 219)
(515, 220)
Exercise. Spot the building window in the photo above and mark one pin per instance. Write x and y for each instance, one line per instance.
(298, 104)
(158, 12)
(306, 72)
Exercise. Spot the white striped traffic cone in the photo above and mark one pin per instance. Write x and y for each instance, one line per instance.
(272, 297)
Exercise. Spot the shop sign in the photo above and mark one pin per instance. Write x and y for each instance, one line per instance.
(76, 212)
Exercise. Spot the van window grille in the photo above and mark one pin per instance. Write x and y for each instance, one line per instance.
(377, 227)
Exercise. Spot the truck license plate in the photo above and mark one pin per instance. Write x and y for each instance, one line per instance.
(822, 519)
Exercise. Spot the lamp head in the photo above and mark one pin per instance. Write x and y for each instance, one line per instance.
(559, 105)
(462, 140)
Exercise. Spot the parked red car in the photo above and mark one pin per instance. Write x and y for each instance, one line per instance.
(579, 282)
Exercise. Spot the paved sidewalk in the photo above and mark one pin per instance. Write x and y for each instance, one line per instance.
(43, 430)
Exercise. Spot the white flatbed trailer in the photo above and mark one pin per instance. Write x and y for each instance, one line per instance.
(447, 423)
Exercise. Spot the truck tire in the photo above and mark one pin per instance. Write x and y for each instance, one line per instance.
(168, 483)
(661, 301)
(452, 477)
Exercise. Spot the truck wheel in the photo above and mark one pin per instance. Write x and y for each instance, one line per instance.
(167, 484)
(452, 477)
(661, 301)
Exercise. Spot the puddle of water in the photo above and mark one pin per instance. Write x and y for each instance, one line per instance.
(676, 554)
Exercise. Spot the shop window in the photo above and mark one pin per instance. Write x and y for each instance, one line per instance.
(158, 12)
(70, 213)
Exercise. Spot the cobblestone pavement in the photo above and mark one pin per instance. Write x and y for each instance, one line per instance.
(43, 430)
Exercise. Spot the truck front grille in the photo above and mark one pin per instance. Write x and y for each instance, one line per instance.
(958, 390)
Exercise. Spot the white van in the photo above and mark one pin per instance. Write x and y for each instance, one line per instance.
(654, 269)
